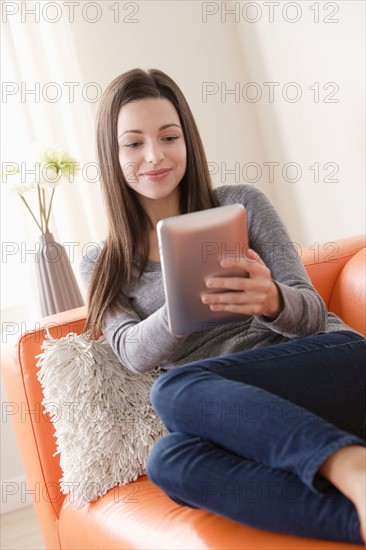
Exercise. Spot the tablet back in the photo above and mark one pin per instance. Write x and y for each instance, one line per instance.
(191, 247)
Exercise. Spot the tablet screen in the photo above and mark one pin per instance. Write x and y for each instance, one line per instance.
(191, 247)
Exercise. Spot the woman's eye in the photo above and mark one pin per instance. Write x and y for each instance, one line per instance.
(133, 145)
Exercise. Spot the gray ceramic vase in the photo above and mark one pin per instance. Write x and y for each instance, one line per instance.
(57, 284)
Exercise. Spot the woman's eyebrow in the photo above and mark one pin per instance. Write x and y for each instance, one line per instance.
(140, 131)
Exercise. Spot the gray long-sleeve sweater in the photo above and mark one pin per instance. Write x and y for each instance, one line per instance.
(142, 340)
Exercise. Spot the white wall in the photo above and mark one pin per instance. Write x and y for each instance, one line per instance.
(14, 490)
(306, 131)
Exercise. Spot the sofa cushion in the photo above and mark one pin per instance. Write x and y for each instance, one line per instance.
(104, 422)
(348, 299)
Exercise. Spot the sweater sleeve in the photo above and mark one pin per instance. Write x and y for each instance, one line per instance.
(304, 311)
(140, 345)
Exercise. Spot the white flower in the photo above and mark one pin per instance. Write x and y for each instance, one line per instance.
(53, 167)
(26, 178)
(23, 187)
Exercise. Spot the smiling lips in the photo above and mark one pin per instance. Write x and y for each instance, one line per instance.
(156, 174)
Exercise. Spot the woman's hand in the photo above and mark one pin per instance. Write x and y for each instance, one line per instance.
(253, 294)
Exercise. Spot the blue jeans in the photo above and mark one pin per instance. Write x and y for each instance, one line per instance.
(250, 430)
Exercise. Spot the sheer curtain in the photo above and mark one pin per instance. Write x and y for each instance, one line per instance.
(44, 101)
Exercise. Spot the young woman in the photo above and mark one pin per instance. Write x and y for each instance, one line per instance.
(266, 415)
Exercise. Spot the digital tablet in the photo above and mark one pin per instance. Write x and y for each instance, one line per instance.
(191, 247)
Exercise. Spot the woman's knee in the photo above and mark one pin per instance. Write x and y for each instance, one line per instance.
(170, 388)
(167, 465)
(156, 459)
(164, 457)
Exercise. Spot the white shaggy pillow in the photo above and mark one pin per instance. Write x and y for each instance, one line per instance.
(104, 423)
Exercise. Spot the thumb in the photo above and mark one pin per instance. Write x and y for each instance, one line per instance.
(252, 256)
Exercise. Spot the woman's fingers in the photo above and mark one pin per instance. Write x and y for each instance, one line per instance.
(253, 294)
(244, 302)
(244, 284)
(254, 272)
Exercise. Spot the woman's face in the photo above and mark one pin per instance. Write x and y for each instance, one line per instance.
(152, 150)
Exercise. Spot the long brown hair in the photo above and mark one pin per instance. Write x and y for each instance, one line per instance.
(127, 221)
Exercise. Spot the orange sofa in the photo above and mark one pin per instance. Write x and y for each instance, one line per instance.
(140, 516)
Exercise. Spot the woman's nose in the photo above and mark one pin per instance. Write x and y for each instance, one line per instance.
(153, 153)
